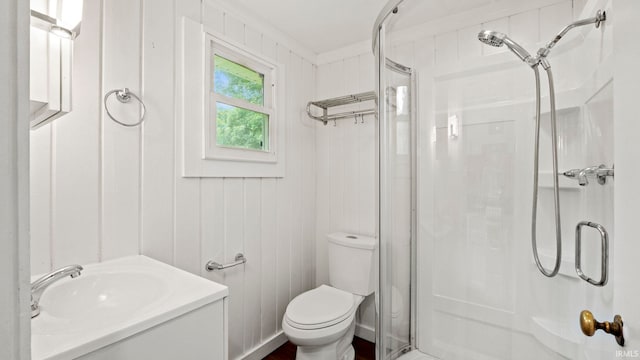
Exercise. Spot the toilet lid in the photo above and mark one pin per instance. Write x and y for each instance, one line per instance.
(321, 307)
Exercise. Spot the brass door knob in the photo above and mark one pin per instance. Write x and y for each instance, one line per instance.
(589, 325)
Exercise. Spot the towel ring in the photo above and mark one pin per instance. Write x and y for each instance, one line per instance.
(124, 96)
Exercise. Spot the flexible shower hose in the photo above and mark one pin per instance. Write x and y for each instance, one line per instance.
(556, 190)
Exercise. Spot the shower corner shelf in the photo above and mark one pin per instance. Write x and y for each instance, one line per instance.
(327, 104)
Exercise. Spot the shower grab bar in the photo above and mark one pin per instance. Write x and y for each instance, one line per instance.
(326, 104)
(213, 265)
(604, 264)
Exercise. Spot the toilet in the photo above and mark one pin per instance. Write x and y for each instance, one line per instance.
(321, 322)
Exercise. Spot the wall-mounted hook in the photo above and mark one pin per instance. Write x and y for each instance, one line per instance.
(334, 122)
(362, 119)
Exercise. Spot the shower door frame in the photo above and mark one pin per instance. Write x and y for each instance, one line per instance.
(383, 137)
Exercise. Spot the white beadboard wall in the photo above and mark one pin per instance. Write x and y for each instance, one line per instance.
(85, 183)
(101, 191)
(345, 158)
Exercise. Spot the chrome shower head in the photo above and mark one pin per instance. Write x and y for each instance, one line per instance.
(497, 39)
(492, 38)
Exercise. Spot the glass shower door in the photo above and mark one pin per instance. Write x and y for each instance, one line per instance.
(479, 292)
(396, 210)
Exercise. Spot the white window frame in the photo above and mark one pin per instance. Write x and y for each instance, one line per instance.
(197, 149)
(211, 149)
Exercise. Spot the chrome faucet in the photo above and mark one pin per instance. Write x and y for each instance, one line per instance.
(589, 171)
(572, 174)
(600, 172)
(40, 285)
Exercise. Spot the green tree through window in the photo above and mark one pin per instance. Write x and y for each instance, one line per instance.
(236, 126)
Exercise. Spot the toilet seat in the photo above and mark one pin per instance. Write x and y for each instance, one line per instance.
(320, 308)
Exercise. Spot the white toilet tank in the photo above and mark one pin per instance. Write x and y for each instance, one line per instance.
(352, 263)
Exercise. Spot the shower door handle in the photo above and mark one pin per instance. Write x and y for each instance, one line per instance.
(604, 262)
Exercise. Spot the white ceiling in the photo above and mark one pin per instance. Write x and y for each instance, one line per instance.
(320, 25)
(324, 25)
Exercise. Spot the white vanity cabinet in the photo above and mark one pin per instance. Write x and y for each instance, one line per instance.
(132, 308)
(199, 334)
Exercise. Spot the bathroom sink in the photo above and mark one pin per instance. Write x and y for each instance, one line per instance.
(95, 300)
(113, 300)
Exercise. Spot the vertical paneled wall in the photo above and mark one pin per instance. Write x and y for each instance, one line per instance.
(85, 183)
(271, 221)
(100, 190)
(345, 157)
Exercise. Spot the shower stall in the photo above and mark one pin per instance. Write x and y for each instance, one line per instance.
(459, 125)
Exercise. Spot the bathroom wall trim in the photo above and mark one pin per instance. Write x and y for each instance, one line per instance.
(240, 12)
(366, 332)
(14, 181)
(266, 348)
(362, 47)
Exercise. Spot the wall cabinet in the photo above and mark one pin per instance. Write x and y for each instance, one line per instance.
(50, 80)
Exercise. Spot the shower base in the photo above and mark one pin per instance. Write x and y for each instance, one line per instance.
(416, 355)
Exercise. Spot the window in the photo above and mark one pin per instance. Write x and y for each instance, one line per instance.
(239, 126)
(232, 108)
(241, 123)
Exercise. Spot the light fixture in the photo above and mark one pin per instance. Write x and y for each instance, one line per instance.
(67, 20)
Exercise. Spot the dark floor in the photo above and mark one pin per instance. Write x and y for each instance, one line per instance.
(364, 351)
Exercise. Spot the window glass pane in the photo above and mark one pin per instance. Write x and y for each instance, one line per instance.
(237, 81)
(241, 128)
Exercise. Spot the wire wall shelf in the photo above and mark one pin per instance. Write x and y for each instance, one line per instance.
(325, 105)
